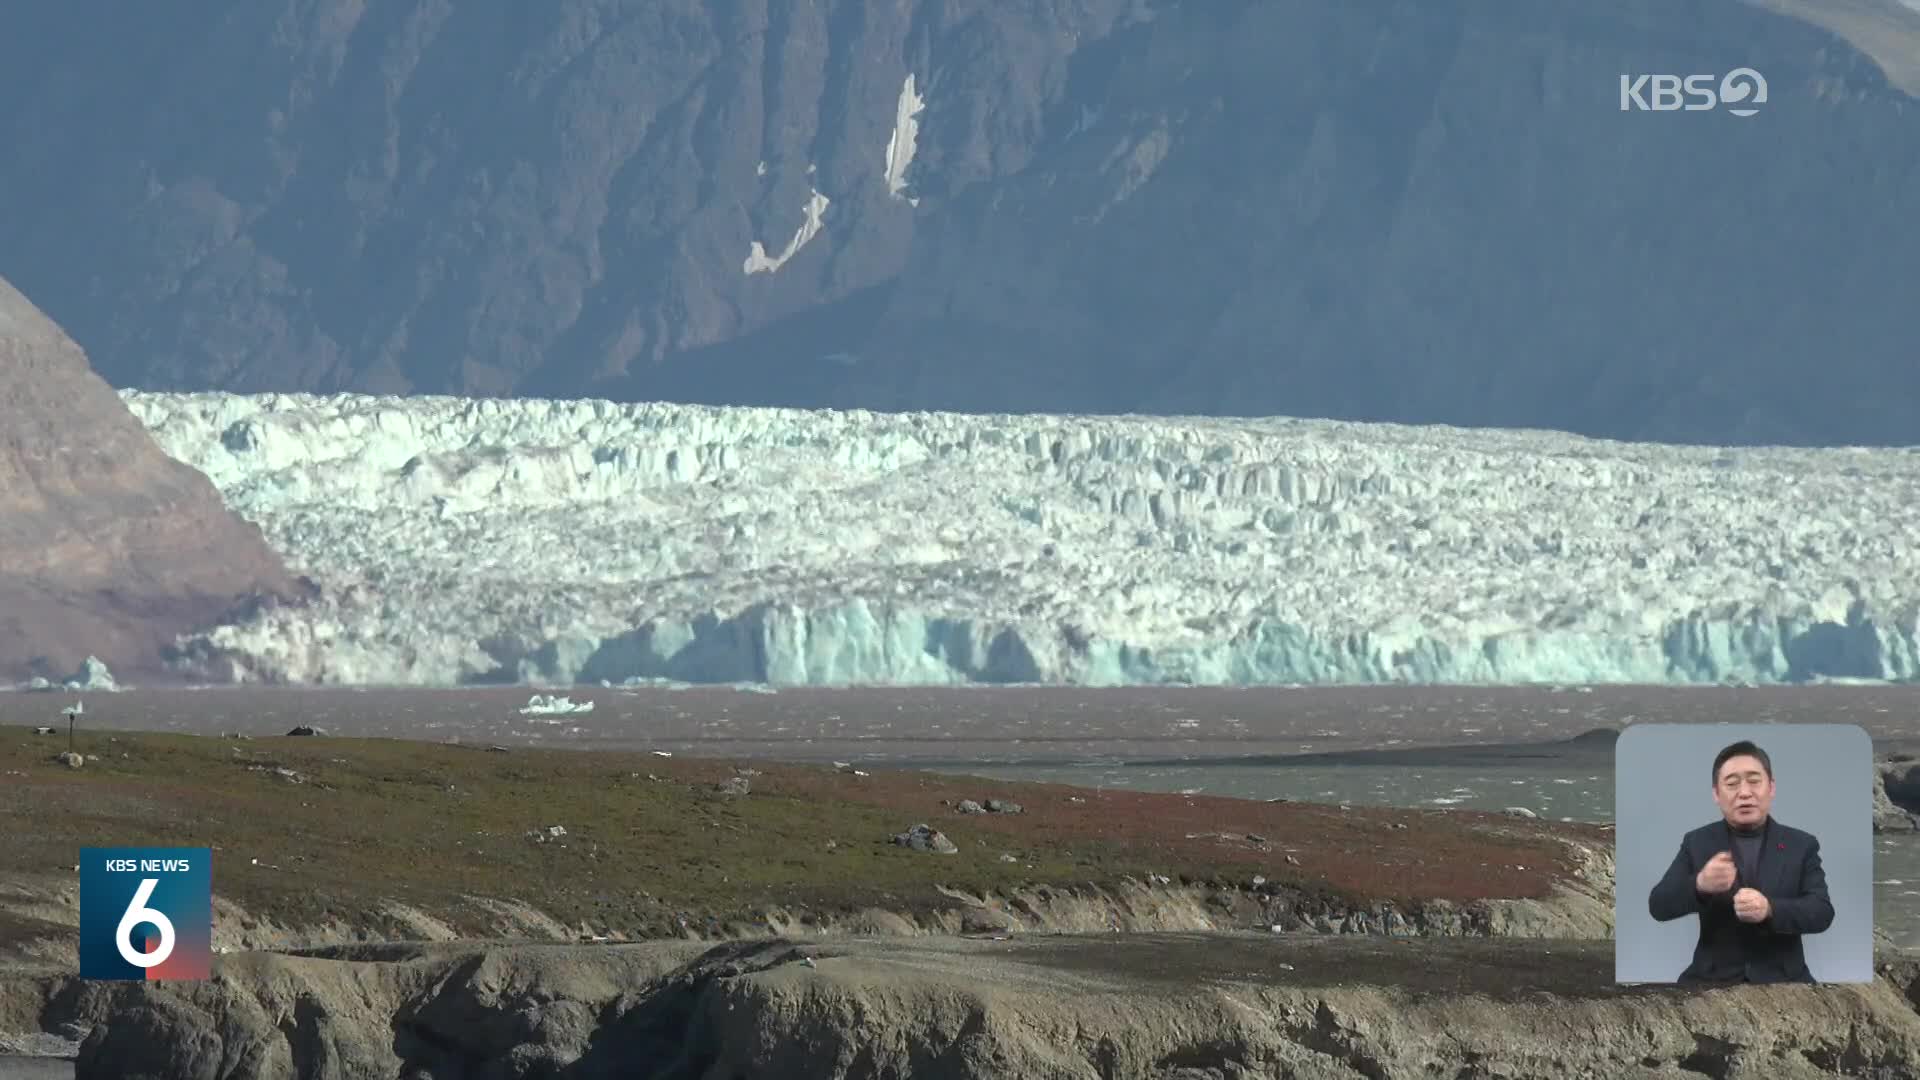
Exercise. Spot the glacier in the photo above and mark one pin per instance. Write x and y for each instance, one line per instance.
(553, 543)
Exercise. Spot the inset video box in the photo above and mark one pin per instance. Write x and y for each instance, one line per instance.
(1743, 854)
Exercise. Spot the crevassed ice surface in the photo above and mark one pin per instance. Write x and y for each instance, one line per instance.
(555, 542)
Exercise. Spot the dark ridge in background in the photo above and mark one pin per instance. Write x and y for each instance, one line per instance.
(1364, 209)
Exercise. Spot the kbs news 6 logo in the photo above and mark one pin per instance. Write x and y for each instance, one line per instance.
(146, 913)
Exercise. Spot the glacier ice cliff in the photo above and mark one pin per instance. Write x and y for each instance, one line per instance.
(552, 542)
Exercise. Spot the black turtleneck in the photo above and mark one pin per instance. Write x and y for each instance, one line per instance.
(1746, 850)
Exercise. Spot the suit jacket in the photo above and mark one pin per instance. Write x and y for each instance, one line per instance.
(1788, 874)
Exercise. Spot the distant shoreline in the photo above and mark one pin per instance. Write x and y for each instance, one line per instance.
(907, 726)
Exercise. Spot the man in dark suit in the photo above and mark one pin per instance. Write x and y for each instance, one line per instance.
(1756, 884)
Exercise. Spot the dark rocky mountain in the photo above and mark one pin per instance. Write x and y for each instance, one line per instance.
(1373, 209)
(108, 547)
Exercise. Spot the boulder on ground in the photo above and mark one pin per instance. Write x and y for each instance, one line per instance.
(923, 838)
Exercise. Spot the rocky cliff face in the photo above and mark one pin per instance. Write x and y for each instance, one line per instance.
(1192, 1007)
(1371, 210)
(1437, 213)
(490, 197)
(107, 546)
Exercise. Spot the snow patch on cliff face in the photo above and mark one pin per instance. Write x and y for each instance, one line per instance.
(903, 141)
(758, 261)
(550, 542)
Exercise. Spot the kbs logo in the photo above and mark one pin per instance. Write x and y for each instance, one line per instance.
(1740, 90)
(146, 913)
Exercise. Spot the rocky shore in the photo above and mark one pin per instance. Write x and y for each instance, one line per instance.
(1282, 941)
(1896, 793)
(1022, 983)
(1171, 1006)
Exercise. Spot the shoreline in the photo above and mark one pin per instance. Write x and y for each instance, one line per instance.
(633, 846)
(1122, 895)
(955, 727)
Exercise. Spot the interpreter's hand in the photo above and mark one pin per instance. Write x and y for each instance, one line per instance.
(1750, 906)
(1717, 876)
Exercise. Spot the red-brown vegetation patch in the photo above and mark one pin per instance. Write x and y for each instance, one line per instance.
(1371, 852)
(653, 845)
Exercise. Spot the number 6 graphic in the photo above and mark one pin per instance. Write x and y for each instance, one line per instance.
(138, 912)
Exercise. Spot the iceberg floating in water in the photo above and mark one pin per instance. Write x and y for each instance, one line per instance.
(554, 705)
(563, 543)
